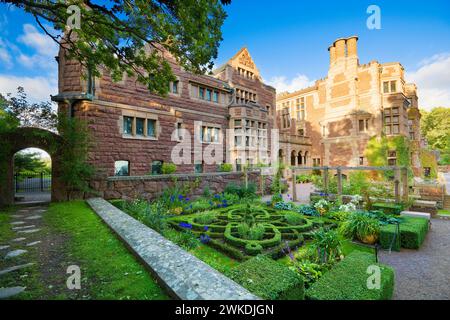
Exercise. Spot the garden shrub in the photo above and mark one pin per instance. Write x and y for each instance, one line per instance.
(362, 227)
(413, 232)
(253, 248)
(205, 217)
(169, 168)
(308, 211)
(388, 208)
(389, 237)
(227, 249)
(241, 191)
(269, 279)
(293, 219)
(225, 167)
(348, 280)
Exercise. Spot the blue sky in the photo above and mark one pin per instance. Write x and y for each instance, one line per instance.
(287, 39)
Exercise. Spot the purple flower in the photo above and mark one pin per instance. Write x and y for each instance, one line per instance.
(204, 238)
(185, 225)
(172, 198)
(187, 199)
(180, 197)
(205, 228)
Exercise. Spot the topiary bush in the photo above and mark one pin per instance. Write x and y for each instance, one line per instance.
(269, 279)
(348, 280)
(389, 238)
(413, 232)
(169, 168)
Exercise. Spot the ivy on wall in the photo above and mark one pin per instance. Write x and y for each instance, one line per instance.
(377, 153)
(428, 160)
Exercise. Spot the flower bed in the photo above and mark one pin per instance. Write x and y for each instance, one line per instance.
(226, 228)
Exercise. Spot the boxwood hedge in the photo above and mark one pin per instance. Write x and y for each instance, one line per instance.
(269, 279)
(412, 233)
(348, 280)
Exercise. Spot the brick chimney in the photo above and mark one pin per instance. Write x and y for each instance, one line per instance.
(344, 52)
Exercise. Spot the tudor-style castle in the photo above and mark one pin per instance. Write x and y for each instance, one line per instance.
(331, 122)
(135, 132)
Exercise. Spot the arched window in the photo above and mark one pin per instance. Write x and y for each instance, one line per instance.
(300, 158)
(293, 158)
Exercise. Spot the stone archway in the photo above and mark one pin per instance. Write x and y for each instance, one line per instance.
(22, 138)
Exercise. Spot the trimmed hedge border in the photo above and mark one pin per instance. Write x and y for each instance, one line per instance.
(348, 280)
(412, 234)
(269, 279)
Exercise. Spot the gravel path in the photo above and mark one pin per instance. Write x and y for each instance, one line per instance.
(423, 274)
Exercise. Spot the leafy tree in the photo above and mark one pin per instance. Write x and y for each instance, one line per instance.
(19, 111)
(435, 126)
(130, 36)
(29, 162)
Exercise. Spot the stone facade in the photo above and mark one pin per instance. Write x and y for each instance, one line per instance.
(339, 114)
(143, 130)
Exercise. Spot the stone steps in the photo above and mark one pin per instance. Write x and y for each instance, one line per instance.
(446, 204)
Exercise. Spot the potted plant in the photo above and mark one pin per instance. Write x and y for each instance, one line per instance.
(362, 227)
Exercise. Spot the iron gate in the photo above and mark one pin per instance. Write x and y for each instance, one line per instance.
(32, 182)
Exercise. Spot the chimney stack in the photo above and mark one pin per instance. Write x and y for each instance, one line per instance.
(352, 46)
(342, 49)
(332, 50)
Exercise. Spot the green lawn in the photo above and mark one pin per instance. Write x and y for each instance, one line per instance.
(108, 269)
(5, 228)
(73, 234)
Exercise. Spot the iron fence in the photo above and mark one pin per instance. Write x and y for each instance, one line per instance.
(32, 182)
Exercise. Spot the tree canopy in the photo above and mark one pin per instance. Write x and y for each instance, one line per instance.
(128, 37)
(30, 162)
(16, 110)
(435, 126)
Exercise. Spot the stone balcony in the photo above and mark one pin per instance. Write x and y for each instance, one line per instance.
(294, 139)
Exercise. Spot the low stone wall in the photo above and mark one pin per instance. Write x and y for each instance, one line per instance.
(430, 192)
(444, 169)
(151, 187)
(184, 276)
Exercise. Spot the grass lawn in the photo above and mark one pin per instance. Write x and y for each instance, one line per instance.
(214, 258)
(5, 228)
(108, 269)
(444, 212)
(72, 234)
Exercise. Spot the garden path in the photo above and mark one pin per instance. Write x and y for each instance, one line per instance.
(25, 224)
(423, 274)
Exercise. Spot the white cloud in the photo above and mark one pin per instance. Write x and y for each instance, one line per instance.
(42, 43)
(282, 84)
(37, 88)
(5, 57)
(433, 81)
(46, 49)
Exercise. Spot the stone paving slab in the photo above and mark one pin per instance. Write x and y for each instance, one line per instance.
(14, 268)
(28, 231)
(37, 216)
(15, 253)
(24, 227)
(186, 277)
(4, 247)
(18, 239)
(6, 293)
(33, 243)
(16, 223)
